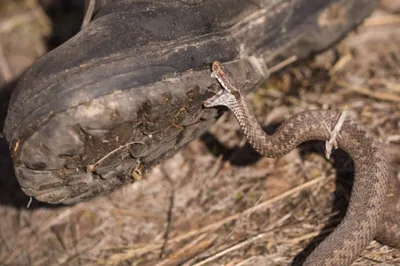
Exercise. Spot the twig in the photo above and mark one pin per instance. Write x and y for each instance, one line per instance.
(115, 259)
(382, 20)
(282, 64)
(170, 212)
(217, 166)
(29, 203)
(91, 167)
(5, 67)
(297, 240)
(343, 60)
(308, 236)
(332, 142)
(378, 95)
(248, 261)
(89, 13)
(233, 248)
(188, 253)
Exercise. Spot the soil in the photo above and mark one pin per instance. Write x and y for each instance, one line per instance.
(217, 202)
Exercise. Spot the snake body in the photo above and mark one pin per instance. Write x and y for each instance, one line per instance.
(366, 216)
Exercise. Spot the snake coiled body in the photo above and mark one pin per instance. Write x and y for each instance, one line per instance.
(370, 199)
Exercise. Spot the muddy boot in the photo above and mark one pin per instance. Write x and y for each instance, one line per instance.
(127, 91)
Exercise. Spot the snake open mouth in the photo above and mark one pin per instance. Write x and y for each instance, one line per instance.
(213, 101)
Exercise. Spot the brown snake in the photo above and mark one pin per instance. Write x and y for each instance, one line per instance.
(374, 207)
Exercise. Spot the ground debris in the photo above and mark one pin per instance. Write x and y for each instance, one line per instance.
(232, 207)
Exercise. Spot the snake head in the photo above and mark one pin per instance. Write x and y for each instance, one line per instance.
(229, 93)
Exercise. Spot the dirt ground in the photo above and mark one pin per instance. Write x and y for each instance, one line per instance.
(216, 202)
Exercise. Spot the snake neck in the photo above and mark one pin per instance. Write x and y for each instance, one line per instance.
(254, 133)
(285, 139)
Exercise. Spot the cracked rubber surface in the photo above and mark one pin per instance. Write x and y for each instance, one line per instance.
(127, 91)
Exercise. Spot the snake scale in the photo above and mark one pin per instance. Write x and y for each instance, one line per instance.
(374, 207)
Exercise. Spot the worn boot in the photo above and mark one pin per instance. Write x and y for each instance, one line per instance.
(127, 91)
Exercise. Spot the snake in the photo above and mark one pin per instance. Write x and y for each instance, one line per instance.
(374, 206)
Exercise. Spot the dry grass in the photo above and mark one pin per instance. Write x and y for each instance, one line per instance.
(228, 206)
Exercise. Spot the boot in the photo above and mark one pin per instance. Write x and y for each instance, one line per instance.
(126, 92)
